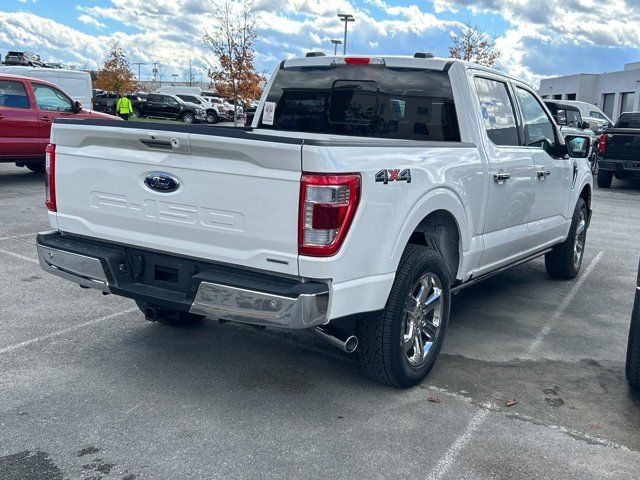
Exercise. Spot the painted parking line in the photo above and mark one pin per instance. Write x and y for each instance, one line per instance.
(544, 331)
(448, 459)
(62, 332)
(17, 255)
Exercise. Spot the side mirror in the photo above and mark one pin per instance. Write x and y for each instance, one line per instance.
(577, 146)
(77, 107)
(585, 125)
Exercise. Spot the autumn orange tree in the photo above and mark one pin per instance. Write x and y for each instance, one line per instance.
(231, 42)
(115, 74)
(474, 45)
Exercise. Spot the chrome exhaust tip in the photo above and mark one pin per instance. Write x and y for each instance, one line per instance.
(348, 345)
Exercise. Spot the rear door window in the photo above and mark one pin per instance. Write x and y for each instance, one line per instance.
(497, 111)
(13, 95)
(368, 101)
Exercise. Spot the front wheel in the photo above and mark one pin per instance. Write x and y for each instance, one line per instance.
(188, 118)
(399, 345)
(212, 118)
(135, 113)
(565, 260)
(604, 178)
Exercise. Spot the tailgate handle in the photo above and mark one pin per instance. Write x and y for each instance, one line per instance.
(161, 144)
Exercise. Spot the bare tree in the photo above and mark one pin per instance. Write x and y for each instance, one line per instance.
(189, 75)
(231, 42)
(474, 45)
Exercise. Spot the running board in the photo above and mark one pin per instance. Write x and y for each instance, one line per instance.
(479, 279)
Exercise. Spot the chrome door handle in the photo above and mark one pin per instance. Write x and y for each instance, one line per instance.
(543, 173)
(501, 177)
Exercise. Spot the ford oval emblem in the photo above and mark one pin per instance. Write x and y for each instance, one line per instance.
(161, 182)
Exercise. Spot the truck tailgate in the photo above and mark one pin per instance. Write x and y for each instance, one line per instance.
(623, 144)
(237, 200)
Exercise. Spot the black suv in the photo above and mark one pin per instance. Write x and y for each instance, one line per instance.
(170, 106)
(27, 59)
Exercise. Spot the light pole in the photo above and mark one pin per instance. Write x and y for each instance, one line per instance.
(139, 64)
(346, 18)
(335, 46)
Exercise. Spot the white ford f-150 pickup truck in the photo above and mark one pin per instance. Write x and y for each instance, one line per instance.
(366, 193)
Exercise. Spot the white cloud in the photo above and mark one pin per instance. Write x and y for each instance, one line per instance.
(88, 20)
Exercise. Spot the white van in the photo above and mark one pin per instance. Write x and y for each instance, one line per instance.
(173, 90)
(75, 83)
(598, 120)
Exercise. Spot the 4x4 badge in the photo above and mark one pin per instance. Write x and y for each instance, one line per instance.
(394, 175)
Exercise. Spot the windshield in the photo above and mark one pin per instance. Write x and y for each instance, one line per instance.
(371, 101)
(629, 120)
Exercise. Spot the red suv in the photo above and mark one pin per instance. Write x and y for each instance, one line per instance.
(27, 108)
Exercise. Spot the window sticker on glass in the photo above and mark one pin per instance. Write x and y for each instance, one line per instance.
(269, 113)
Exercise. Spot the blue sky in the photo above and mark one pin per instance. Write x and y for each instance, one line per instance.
(537, 38)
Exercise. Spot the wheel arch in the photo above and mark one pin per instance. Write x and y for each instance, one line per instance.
(439, 221)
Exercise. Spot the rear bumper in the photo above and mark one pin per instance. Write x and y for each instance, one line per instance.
(185, 284)
(622, 168)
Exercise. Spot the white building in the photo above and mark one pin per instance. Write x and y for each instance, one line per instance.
(613, 92)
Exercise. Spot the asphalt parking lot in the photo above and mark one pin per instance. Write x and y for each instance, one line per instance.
(89, 389)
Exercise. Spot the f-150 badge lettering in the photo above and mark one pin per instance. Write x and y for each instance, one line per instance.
(161, 182)
(394, 175)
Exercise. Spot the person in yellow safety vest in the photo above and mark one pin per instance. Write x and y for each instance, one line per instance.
(124, 108)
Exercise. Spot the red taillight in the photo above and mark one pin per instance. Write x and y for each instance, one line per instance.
(50, 177)
(602, 143)
(328, 204)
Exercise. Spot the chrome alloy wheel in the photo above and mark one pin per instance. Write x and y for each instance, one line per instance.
(581, 236)
(423, 317)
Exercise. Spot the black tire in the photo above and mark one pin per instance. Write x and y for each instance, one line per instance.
(382, 353)
(561, 261)
(136, 113)
(214, 117)
(36, 167)
(633, 347)
(173, 318)
(188, 118)
(604, 178)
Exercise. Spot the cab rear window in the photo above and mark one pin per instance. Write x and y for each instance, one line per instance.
(13, 95)
(629, 120)
(368, 101)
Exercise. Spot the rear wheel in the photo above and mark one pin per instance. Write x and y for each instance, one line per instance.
(167, 316)
(36, 167)
(188, 118)
(400, 344)
(565, 260)
(604, 178)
